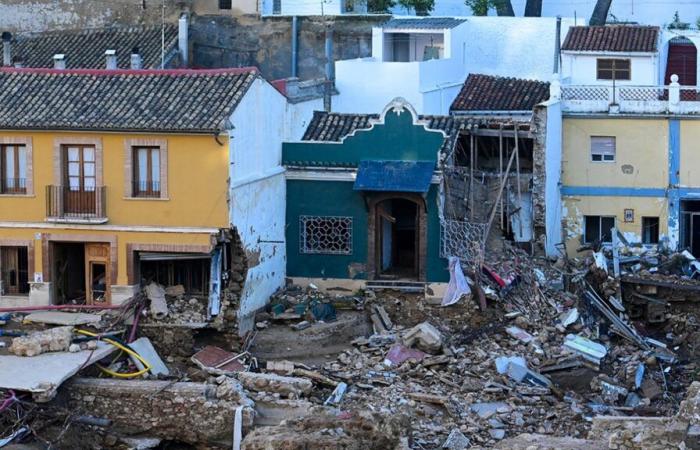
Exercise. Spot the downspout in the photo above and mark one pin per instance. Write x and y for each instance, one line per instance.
(557, 46)
(330, 76)
(295, 45)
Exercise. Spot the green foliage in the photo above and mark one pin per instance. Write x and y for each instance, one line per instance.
(676, 24)
(421, 7)
(380, 6)
(480, 7)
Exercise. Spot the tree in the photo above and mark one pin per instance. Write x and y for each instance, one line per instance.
(504, 8)
(600, 12)
(421, 7)
(533, 8)
(480, 7)
(380, 6)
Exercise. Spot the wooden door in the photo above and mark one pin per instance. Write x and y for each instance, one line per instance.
(97, 274)
(79, 179)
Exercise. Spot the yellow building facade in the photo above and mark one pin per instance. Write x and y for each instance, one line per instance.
(110, 218)
(637, 174)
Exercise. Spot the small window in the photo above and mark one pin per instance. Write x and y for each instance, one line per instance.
(603, 148)
(13, 271)
(325, 235)
(598, 228)
(650, 230)
(13, 169)
(614, 69)
(224, 4)
(146, 164)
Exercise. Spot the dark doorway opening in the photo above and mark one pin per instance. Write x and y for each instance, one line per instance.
(68, 271)
(690, 226)
(192, 271)
(14, 272)
(397, 229)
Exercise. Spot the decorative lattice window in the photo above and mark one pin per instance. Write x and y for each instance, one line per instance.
(325, 234)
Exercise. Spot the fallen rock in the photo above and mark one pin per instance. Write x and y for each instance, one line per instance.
(267, 382)
(52, 340)
(424, 336)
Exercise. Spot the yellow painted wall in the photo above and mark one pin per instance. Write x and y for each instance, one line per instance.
(640, 143)
(690, 153)
(197, 182)
(575, 208)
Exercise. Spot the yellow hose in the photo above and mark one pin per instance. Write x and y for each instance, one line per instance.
(129, 351)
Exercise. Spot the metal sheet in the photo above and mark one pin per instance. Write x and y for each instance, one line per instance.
(394, 176)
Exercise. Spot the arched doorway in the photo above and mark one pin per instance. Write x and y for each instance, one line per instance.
(397, 237)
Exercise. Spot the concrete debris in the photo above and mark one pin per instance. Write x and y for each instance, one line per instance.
(217, 361)
(63, 318)
(52, 340)
(588, 349)
(424, 336)
(337, 395)
(456, 440)
(156, 295)
(291, 387)
(398, 354)
(145, 349)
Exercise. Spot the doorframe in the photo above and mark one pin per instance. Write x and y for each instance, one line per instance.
(373, 243)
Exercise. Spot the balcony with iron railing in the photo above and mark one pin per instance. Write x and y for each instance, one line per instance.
(626, 99)
(13, 186)
(69, 204)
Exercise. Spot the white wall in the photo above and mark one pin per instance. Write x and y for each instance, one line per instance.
(299, 116)
(552, 197)
(313, 7)
(581, 69)
(258, 193)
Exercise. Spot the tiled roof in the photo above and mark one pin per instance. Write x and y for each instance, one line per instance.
(333, 127)
(86, 49)
(490, 93)
(426, 23)
(612, 38)
(131, 100)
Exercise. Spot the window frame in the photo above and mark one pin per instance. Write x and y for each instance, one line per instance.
(21, 251)
(136, 190)
(225, 5)
(5, 189)
(129, 179)
(602, 155)
(600, 227)
(307, 249)
(613, 69)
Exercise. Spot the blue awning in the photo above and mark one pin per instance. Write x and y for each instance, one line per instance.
(394, 176)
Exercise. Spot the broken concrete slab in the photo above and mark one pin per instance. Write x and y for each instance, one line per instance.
(62, 318)
(156, 294)
(588, 349)
(145, 349)
(52, 340)
(456, 441)
(424, 336)
(267, 382)
(488, 409)
(217, 361)
(21, 374)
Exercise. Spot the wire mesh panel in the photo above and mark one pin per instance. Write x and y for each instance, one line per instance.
(325, 235)
(461, 239)
(643, 93)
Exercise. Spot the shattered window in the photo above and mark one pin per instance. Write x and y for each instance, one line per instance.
(325, 234)
(598, 228)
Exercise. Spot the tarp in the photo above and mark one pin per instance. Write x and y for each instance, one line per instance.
(394, 176)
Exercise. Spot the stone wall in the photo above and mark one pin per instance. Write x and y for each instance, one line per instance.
(219, 41)
(538, 127)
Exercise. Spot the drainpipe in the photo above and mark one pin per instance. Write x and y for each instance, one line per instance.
(330, 76)
(182, 40)
(6, 48)
(295, 44)
(557, 45)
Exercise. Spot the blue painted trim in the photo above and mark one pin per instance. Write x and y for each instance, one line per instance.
(674, 152)
(609, 191)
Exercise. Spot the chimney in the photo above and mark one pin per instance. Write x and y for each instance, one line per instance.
(136, 62)
(182, 40)
(6, 48)
(59, 61)
(111, 59)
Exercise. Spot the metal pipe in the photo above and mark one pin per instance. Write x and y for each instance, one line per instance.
(56, 307)
(295, 45)
(557, 45)
(329, 70)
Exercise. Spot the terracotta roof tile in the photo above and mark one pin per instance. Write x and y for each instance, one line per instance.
(490, 93)
(612, 38)
(134, 100)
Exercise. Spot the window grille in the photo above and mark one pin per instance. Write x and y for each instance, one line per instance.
(325, 235)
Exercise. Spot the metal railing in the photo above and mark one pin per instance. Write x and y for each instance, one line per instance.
(149, 189)
(69, 203)
(13, 186)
